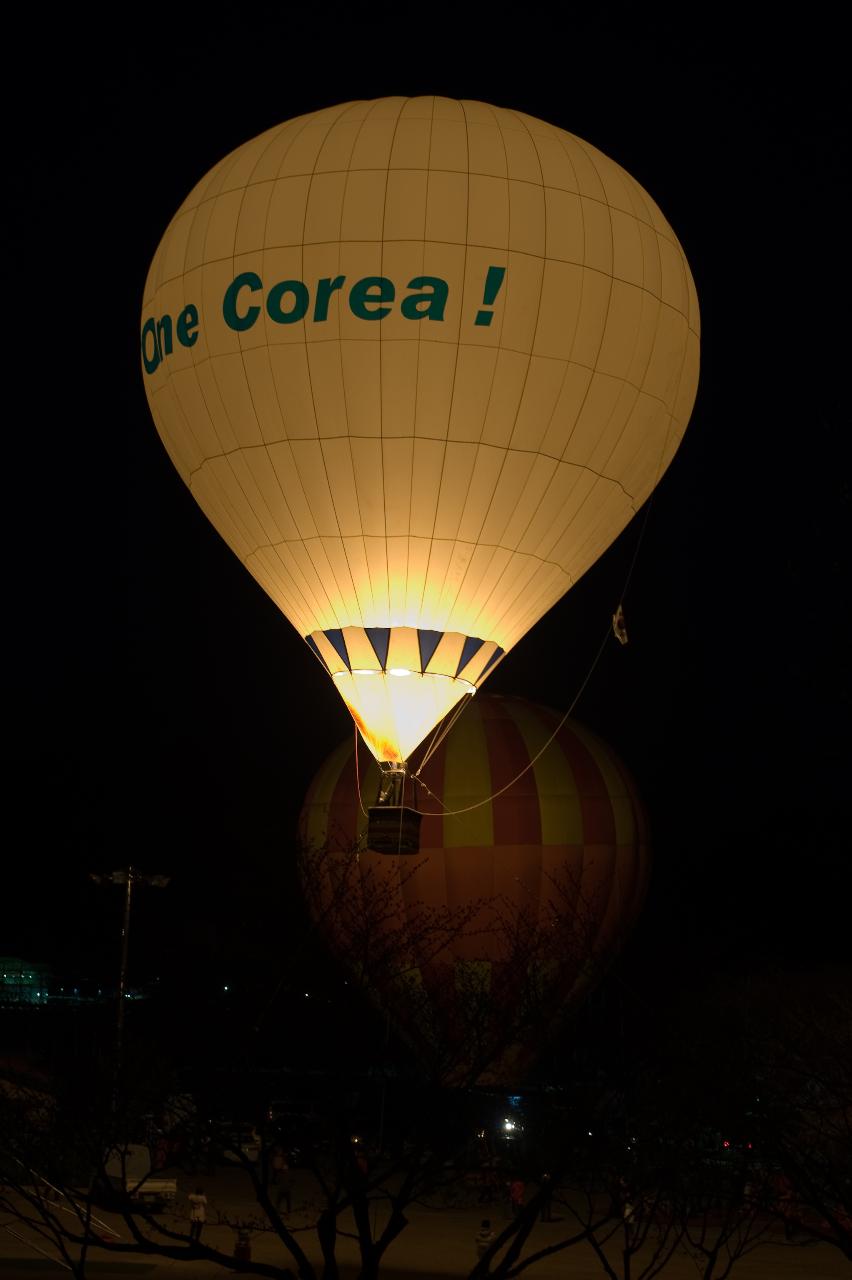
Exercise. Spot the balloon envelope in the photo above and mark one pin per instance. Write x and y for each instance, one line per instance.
(481, 944)
(419, 361)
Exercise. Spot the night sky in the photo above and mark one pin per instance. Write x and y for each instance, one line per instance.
(159, 709)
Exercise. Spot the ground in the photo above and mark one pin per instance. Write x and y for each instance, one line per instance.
(437, 1244)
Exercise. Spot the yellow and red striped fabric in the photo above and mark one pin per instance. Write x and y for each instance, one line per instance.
(532, 892)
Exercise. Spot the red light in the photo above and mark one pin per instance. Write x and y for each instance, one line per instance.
(726, 1143)
(748, 1144)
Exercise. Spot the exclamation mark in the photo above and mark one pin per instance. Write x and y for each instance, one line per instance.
(493, 281)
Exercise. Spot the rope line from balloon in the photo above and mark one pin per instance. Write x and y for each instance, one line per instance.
(441, 733)
(442, 729)
(448, 723)
(646, 517)
(358, 775)
(639, 540)
(451, 813)
(431, 746)
(432, 794)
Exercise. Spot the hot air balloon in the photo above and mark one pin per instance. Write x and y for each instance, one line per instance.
(479, 947)
(419, 361)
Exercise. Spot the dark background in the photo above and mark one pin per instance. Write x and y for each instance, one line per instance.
(159, 709)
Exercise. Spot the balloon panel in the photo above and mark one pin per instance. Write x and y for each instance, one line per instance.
(538, 886)
(419, 361)
(398, 682)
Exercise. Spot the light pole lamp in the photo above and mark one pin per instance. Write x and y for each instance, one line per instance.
(127, 877)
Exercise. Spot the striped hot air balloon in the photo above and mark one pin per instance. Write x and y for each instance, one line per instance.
(479, 945)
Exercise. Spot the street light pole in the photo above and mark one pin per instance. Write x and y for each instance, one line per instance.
(122, 975)
(128, 878)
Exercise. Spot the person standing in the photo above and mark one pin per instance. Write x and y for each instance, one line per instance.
(516, 1195)
(197, 1213)
(484, 1238)
(281, 1176)
(546, 1198)
(278, 1163)
(628, 1207)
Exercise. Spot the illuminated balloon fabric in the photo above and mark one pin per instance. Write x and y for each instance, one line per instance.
(563, 852)
(419, 361)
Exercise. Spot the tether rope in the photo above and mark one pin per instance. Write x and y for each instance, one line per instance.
(441, 733)
(451, 813)
(450, 724)
(358, 776)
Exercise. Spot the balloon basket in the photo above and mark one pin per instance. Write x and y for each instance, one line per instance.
(393, 828)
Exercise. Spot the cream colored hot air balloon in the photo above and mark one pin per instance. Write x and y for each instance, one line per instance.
(419, 362)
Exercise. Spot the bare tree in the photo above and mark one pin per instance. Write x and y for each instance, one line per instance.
(799, 1037)
(636, 1194)
(465, 1018)
(475, 990)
